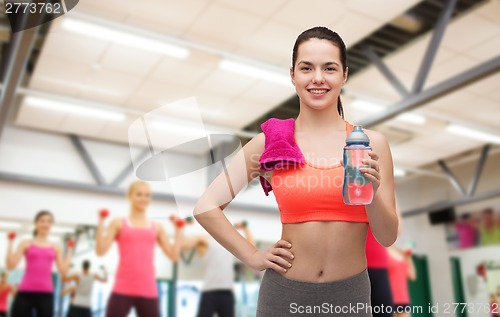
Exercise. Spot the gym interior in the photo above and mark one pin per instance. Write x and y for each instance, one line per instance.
(84, 93)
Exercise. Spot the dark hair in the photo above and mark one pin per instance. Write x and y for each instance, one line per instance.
(488, 211)
(39, 215)
(86, 265)
(323, 33)
(465, 216)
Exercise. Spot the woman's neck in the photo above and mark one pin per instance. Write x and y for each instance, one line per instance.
(137, 214)
(326, 120)
(41, 237)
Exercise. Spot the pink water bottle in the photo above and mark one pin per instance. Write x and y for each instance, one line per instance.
(357, 189)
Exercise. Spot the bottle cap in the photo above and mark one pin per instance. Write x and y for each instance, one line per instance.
(357, 136)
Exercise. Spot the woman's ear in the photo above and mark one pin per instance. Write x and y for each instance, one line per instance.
(292, 76)
(346, 72)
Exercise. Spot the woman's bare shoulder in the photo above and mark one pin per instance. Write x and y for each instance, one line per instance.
(376, 136)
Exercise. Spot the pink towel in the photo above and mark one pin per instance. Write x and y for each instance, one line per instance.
(280, 148)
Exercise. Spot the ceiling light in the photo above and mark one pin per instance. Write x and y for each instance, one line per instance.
(411, 118)
(408, 23)
(124, 38)
(75, 109)
(472, 133)
(79, 86)
(399, 172)
(9, 224)
(370, 107)
(182, 127)
(253, 71)
(366, 106)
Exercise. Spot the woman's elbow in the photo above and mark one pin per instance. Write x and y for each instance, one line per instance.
(388, 240)
(63, 270)
(175, 258)
(99, 251)
(390, 236)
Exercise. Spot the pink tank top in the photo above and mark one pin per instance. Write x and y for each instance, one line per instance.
(136, 273)
(398, 278)
(38, 274)
(376, 255)
(4, 294)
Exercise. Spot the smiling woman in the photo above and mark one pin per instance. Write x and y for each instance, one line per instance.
(321, 256)
(318, 80)
(36, 289)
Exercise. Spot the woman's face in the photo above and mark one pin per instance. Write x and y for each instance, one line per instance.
(140, 197)
(318, 75)
(43, 225)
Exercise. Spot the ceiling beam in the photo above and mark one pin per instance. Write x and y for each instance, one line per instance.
(452, 178)
(433, 47)
(450, 203)
(384, 69)
(87, 159)
(115, 191)
(479, 168)
(13, 65)
(129, 169)
(413, 101)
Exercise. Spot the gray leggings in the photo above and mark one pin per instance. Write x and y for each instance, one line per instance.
(280, 297)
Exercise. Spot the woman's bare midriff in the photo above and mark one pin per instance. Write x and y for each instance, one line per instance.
(326, 251)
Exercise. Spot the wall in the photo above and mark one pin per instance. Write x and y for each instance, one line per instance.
(38, 154)
(47, 155)
(431, 240)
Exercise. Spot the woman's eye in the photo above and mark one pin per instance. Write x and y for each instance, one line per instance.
(305, 68)
(330, 69)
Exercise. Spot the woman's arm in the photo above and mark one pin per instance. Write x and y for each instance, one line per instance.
(69, 278)
(209, 211)
(102, 279)
(13, 290)
(13, 258)
(248, 234)
(104, 238)
(412, 272)
(68, 290)
(63, 262)
(171, 251)
(199, 243)
(382, 211)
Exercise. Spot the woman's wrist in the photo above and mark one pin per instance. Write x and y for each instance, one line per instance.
(248, 257)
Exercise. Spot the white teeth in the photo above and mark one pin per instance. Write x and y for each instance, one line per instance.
(318, 91)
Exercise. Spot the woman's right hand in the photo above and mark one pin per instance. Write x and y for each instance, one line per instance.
(11, 236)
(278, 258)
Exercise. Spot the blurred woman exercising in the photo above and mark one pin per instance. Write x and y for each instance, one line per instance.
(35, 292)
(136, 236)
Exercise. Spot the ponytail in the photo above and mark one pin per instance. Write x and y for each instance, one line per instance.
(340, 108)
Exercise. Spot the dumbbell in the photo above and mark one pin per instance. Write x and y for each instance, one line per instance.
(11, 235)
(70, 243)
(178, 222)
(104, 213)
